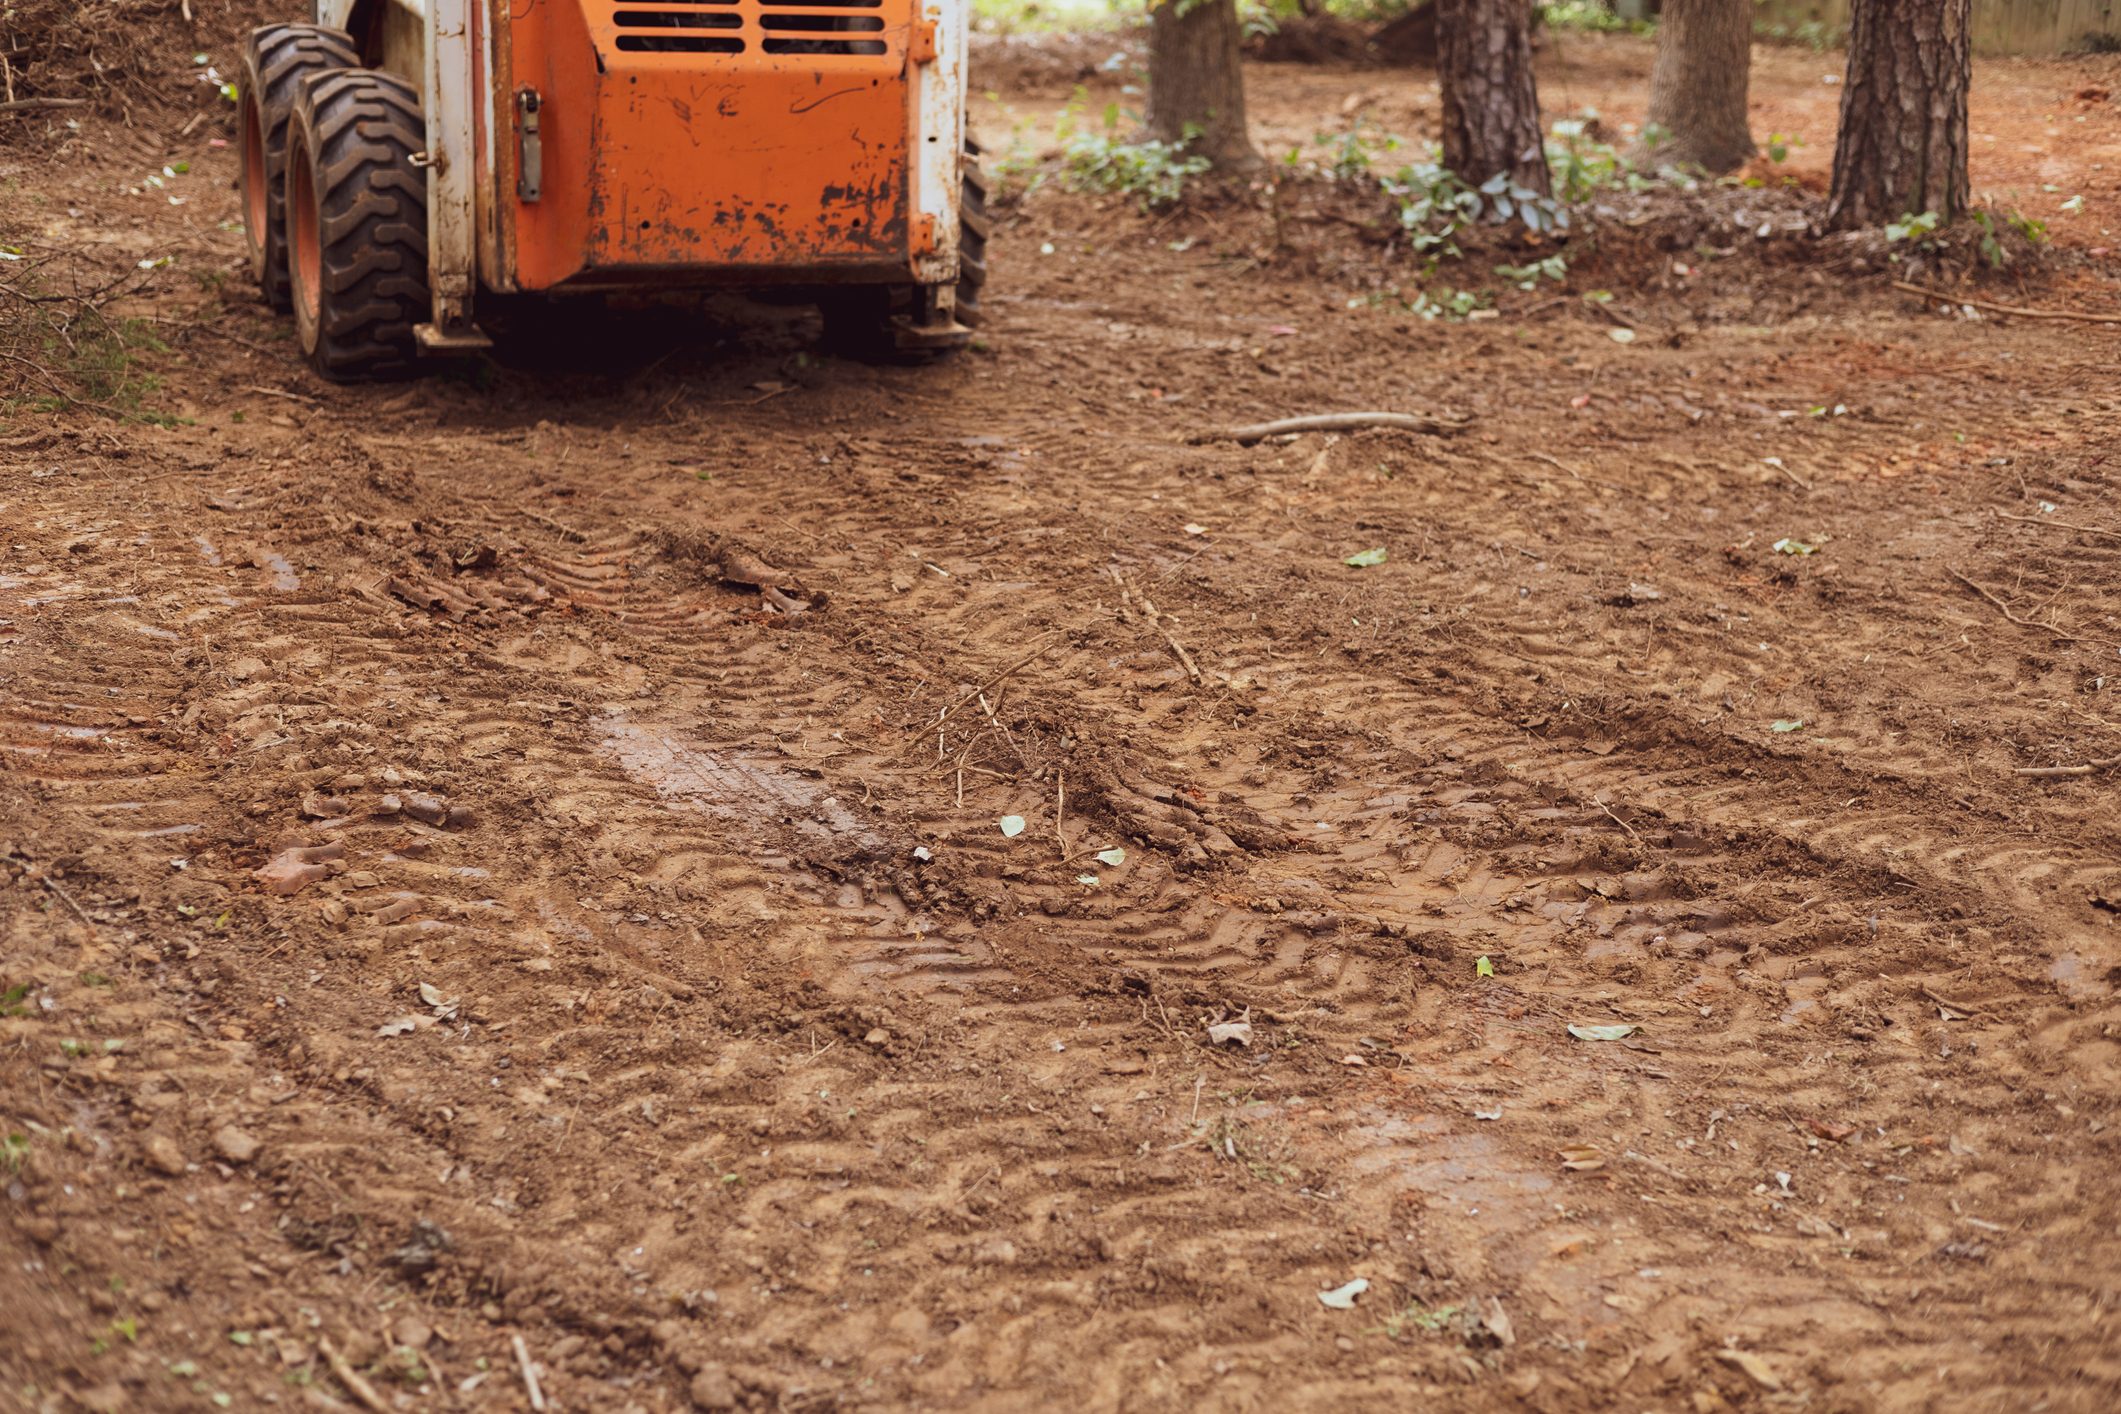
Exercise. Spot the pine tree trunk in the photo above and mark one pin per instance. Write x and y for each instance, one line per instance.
(1195, 85)
(1490, 104)
(1698, 85)
(1901, 149)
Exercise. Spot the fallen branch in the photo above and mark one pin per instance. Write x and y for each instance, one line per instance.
(2005, 610)
(1335, 422)
(2056, 773)
(31, 105)
(2021, 311)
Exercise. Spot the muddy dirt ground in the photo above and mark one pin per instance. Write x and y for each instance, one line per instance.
(661, 992)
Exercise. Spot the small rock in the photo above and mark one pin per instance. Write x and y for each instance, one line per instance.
(427, 809)
(877, 1037)
(713, 1389)
(234, 1145)
(411, 1333)
(163, 1155)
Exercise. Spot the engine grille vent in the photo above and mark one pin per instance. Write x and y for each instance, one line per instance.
(796, 27)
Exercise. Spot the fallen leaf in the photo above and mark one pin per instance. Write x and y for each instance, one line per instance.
(1613, 1032)
(1365, 559)
(1196, 529)
(923, 853)
(1353, 1060)
(1495, 1113)
(1238, 1031)
(1581, 1158)
(1090, 879)
(1756, 1369)
(404, 1025)
(1114, 857)
(1342, 1298)
(1483, 968)
(1621, 336)
(430, 994)
(1787, 546)
(1787, 724)
(1497, 1322)
(1827, 1129)
(1012, 826)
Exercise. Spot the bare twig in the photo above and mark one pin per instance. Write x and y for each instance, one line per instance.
(2056, 773)
(2005, 610)
(1335, 422)
(1575, 475)
(922, 730)
(30, 105)
(530, 1373)
(363, 1392)
(1600, 801)
(1801, 482)
(2084, 316)
(2063, 525)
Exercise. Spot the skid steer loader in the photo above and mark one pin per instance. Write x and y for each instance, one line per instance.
(403, 159)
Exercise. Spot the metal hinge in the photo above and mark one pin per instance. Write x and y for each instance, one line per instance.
(920, 46)
(530, 147)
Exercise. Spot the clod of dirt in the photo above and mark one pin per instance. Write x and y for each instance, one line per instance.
(234, 1145)
(425, 1248)
(427, 809)
(293, 869)
(713, 1389)
(163, 1155)
(325, 807)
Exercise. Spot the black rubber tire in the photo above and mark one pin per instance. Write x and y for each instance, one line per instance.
(975, 225)
(359, 265)
(275, 63)
(858, 319)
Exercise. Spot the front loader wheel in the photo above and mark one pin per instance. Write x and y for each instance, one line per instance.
(357, 224)
(974, 226)
(277, 60)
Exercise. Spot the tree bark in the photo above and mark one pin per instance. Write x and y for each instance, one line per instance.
(1490, 104)
(1901, 149)
(1195, 85)
(1698, 84)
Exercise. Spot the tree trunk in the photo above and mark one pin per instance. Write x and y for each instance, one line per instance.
(1490, 105)
(1697, 87)
(1196, 91)
(1901, 149)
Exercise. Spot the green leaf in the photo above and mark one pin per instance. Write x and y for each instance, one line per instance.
(1787, 724)
(239, 1337)
(1366, 559)
(1114, 856)
(1787, 546)
(1483, 968)
(1614, 1032)
(1012, 826)
(1089, 879)
(184, 1369)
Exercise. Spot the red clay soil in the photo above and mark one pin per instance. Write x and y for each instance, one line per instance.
(662, 997)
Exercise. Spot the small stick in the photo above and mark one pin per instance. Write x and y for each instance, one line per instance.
(1615, 818)
(28, 105)
(1334, 422)
(2063, 525)
(1198, 1082)
(363, 1392)
(1791, 474)
(1184, 657)
(2005, 610)
(2084, 316)
(2056, 773)
(530, 1374)
(1060, 811)
(279, 393)
(1576, 475)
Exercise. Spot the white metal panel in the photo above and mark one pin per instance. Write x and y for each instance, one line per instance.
(939, 138)
(452, 230)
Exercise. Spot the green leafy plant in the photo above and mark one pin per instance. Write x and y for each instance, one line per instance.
(1355, 151)
(1917, 228)
(1525, 277)
(1096, 160)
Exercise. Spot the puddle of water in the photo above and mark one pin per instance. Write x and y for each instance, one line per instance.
(207, 550)
(283, 573)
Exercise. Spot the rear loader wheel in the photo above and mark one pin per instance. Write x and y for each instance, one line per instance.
(275, 63)
(357, 224)
(869, 322)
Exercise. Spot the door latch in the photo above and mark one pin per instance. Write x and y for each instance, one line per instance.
(530, 147)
